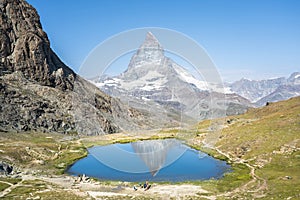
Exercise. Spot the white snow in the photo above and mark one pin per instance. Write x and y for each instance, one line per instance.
(187, 77)
(143, 83)
(109, 82)
(297, 76)
(220, 88)
(202, 85)
(153, 80)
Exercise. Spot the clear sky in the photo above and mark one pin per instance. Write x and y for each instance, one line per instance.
(254, 39)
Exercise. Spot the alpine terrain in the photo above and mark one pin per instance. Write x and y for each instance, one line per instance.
(156, 82)
(270, 90)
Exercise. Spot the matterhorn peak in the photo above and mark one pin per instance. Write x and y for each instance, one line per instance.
(151, 41)
(150, 52)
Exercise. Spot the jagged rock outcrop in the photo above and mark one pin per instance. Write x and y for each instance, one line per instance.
(39, 92)
(5, 168)
(25, 47)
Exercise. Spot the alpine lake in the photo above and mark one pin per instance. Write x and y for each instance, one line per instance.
(166, 160)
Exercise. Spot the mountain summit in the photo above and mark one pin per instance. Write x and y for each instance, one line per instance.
(151, 42)
(150, 52)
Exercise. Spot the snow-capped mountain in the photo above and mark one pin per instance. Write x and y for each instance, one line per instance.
(154, 78)
(271, 90)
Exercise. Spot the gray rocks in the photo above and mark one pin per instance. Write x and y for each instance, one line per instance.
(23, 109)
(5, 168)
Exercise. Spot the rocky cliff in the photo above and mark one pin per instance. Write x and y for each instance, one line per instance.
(39, 92)
(25, 47)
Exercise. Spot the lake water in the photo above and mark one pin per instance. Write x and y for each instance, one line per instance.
(153, 160)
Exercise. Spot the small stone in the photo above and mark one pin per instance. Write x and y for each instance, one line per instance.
(288, 177)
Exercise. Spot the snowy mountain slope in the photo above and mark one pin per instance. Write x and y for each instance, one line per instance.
(153, 77)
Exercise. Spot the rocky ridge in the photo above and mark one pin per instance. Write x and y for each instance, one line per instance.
(40, 93)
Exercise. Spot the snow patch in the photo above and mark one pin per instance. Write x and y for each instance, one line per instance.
(202, 85)
(144, 82)
(187, 77)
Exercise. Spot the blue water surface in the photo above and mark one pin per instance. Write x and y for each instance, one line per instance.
(189, 164)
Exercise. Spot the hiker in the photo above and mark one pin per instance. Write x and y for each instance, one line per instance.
(135, 189)
(147, 186)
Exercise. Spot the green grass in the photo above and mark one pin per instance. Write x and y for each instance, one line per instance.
(63, 195)
(37, 188)
(239, 176)
(255, 135)
(263, 130)
(276, 172)
(41, 147)
(13, 181)
(10, 180)
(69, 157)
(231, 180)
(3, 186)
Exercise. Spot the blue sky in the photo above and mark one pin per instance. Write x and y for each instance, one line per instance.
(254, 39)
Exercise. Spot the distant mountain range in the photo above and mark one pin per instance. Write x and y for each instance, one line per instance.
(270, 90)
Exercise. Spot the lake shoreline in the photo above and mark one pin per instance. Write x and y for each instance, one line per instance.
(79, 146)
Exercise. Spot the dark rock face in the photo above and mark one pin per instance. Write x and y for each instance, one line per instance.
(39, 92)
(25, 47)
(5, 168)
(24, 109)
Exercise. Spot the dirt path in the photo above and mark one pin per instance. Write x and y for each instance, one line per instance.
(97, 190)
(261, 183)
(159, 191)
(10, 188)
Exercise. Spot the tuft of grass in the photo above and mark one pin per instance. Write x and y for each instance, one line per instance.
(31, 189)
(64, 195)
(10, 180)
(3, 186)
(283, 175)
(239, 175)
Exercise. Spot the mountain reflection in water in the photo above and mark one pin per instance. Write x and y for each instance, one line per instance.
(154, 152)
